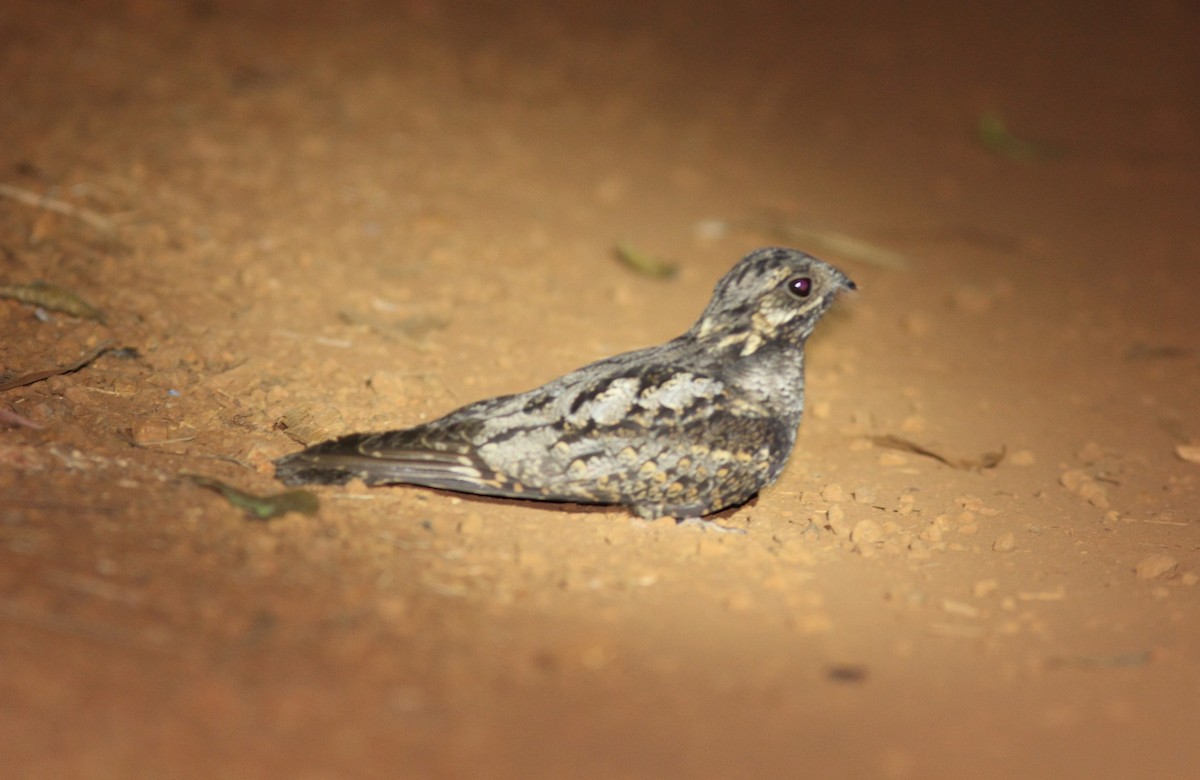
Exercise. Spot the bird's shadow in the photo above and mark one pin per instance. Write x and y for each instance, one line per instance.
(565, 507)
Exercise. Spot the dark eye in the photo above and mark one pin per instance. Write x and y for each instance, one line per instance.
(800, 287)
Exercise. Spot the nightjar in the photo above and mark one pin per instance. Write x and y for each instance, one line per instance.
(684, 429)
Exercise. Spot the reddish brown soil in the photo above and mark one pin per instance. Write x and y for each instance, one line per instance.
(372, 213)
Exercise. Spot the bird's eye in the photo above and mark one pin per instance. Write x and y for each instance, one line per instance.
(800, 287)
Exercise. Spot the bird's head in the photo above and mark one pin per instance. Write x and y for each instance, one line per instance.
(772, 295)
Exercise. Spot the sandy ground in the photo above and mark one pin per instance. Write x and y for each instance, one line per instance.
(349, 216)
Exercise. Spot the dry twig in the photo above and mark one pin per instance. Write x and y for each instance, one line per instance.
(48, 203)
(987, 460)
(37, 376)
(12, 418)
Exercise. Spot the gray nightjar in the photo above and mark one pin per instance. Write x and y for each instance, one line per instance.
(684, 429)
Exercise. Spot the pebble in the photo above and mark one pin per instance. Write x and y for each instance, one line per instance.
(1188, 452)
(985, 588)
(866, 532)
(1082, 485)
(1022, 458)
(864, 495)
(833, 493)
(1155, 566)
(1058, 594)
(918, 550)
(76, 395)
(952, 607)
(836, 520)
(969, 503)
(148, 432)
(1005, 542)
(390, 384)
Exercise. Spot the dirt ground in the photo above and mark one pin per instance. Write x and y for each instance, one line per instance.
(299, 220)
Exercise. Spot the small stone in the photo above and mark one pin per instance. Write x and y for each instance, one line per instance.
(1005, 542)
(1188, 452)
(932, 533)
(836, 520)
(1058, 594)
(1155, 566)
(149, 432)
(969, 503)
(832, 493)
(1082, 485)
(1022, 458)
(75, 395)
(866, 532)
(952, 607)
(984, 588)
(864, 495)
(1095, 494)
(390, 384)
(918, 550)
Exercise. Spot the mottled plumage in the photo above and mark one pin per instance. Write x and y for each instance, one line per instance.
(686, 428)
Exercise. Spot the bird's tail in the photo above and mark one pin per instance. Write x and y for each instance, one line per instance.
(396, 457)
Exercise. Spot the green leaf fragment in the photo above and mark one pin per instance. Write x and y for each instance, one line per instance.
(261, 507)
(992, 131)
(645, 264)
(53, 298)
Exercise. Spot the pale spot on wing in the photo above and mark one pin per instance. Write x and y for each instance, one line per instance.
(610, 406)
(680, 391)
